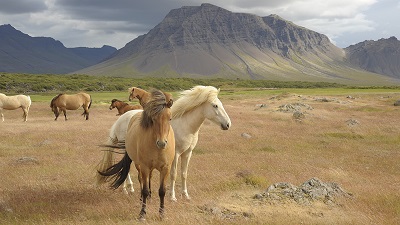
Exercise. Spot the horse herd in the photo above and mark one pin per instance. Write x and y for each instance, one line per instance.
(154, 136)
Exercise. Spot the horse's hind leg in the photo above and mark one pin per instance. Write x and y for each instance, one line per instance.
(65, 113)
(25, 114)
(86, 112)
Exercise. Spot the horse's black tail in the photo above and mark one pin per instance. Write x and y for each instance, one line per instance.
(118, 172)
(90, 103)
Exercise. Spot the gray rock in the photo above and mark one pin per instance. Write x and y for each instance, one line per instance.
(246, 135)
(27, 160)
(308, 192)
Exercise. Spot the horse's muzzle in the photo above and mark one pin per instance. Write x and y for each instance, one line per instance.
(161, 144)
(225, 126)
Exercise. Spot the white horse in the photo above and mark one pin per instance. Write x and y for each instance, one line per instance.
(188, 114)
(15, 102)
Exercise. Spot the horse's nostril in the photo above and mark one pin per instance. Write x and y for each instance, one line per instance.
(227, 125)
(161, 144)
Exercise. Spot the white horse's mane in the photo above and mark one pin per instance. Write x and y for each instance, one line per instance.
(190, 99)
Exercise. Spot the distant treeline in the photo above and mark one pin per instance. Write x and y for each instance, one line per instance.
(37, 83)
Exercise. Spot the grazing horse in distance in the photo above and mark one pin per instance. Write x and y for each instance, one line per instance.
(15, 102)
(123, 107)
(150, 143)
(64, 102)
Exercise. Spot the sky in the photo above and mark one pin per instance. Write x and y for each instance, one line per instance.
(94, 23)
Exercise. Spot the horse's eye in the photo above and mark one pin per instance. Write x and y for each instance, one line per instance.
(215, 106)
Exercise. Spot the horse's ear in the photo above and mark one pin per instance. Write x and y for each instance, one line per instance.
(169, 103)
(131, 89)
(168, 99)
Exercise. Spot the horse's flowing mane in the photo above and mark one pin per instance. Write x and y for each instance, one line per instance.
(190, 99)
(154, 107)
(54, 99)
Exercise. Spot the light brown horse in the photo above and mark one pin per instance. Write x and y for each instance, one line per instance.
(15, 102)
(150, 143)
(123, 107)
(64, 102)
(144, 96)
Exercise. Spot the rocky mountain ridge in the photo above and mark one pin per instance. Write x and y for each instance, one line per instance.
(232, 45)
(381, 56)
(22, 53)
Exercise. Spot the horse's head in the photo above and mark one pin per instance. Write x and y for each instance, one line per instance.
(142, 95)
(157, 116)
(214, 111)
(113, 103)
(132, 93)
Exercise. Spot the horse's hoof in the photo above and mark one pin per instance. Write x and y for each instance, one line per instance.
(173, 199)
(142, 219)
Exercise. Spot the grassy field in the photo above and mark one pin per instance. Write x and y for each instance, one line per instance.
(47, 167)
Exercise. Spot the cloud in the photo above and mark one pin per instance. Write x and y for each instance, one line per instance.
(22, 6)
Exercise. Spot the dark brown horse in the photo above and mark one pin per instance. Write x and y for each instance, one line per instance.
(64, 102)
(150, 143)
(123, 107)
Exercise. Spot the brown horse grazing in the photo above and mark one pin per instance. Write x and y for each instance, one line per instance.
(150, 143)
(144, 96)
(122, 106)
(15, 102)
(64, 102)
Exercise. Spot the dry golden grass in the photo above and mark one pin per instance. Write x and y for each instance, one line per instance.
(58, 188)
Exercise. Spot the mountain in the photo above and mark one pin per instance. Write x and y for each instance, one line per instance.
(382, 56)
(209, 41)
(22, 53)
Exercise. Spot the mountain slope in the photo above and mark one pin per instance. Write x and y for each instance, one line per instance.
(22, 53)
(382, 56)
(209, 41)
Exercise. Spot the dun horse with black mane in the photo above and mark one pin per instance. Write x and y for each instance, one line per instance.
(150, 143)
(64, 102)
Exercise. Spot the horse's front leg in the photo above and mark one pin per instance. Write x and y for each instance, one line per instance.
(56, 113)
(185, 158)
(145, 193)
(163, 187)
(173, 174)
